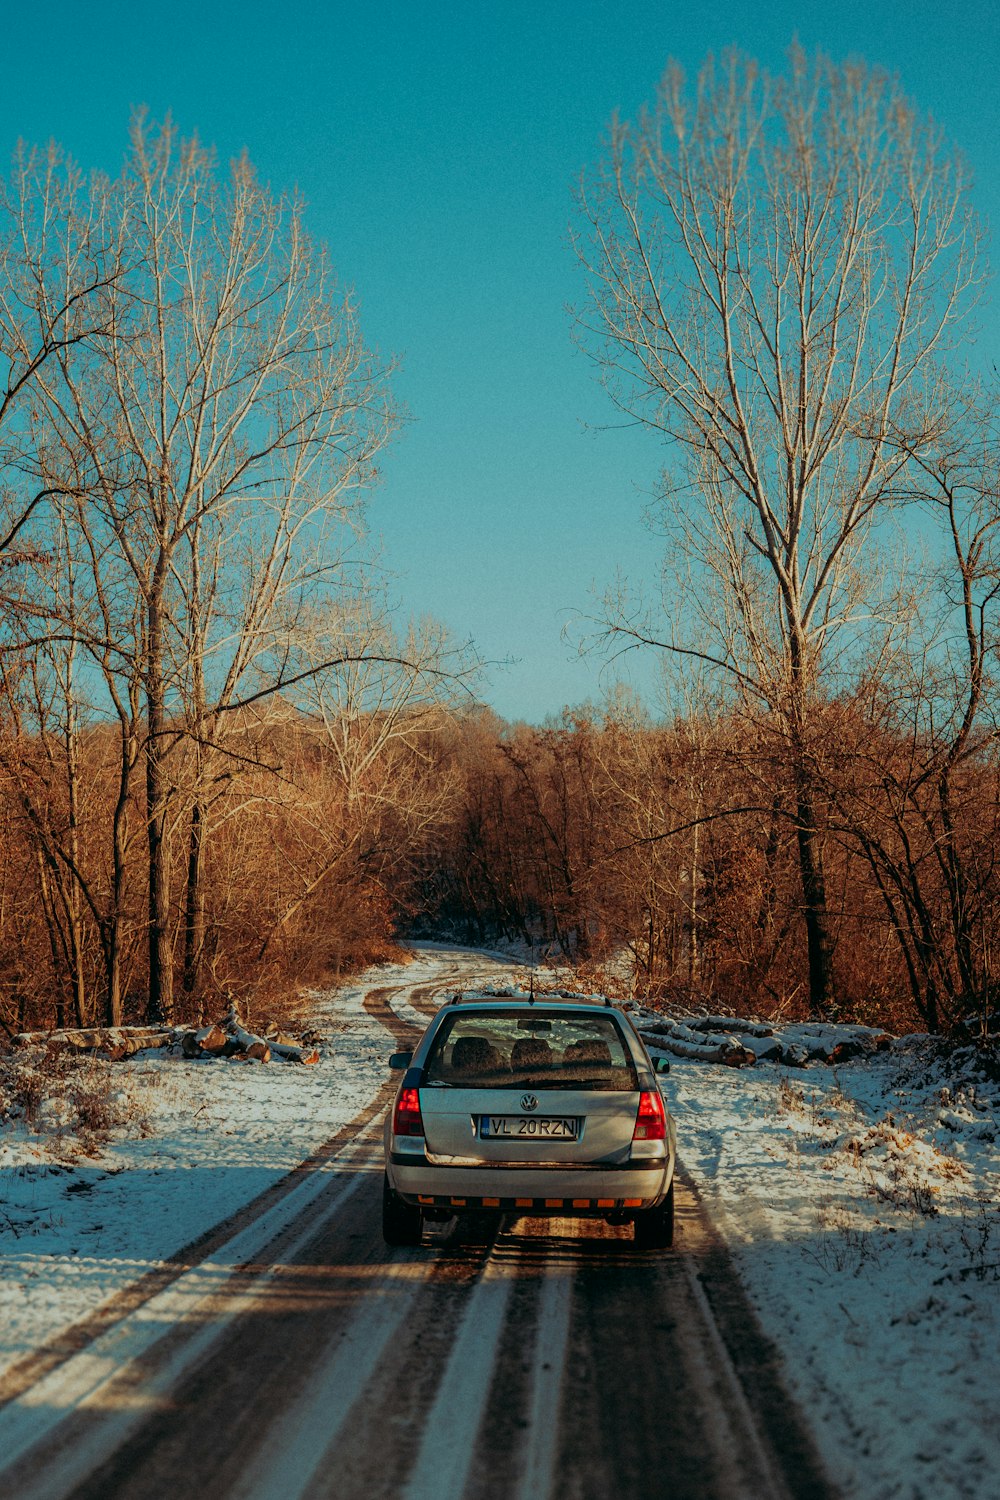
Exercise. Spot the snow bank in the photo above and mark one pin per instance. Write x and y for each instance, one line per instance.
(861, 1205)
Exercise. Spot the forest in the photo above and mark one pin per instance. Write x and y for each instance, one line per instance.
(227, 769)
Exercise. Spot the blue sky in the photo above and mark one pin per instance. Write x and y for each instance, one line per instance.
(436, 145)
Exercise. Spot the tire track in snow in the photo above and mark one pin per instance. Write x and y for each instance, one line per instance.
(20, 1376)
(451, 1426)
(280, 1379)
(427, 999)
(75, 1419)
(368, 1445)
(377, 1004)
(70, 1374)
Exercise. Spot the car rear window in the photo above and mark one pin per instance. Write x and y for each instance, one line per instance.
(532, 1048)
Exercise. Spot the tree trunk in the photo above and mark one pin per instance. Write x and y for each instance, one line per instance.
(194, 894)
(956, 884)
(73, 907)
(161, 997)
(55, 946)
(822, 997)
(194, 902)
(694, 957)
(115, 1000)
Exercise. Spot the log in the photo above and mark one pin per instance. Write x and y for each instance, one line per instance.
(248, 1039)
(656, 1028)
(724, 1051)
(117, 1051)
(705, 1052)
(738, 1057)
(764, 1048)
(729, 1050)
(234, 1028)
(208, 1041)
(126, 1040)
(211, 1040)
(685, 1033)
(272, 1033)
(296, 1053)
(725, 1024)
(844, 1051)
(227, 1040)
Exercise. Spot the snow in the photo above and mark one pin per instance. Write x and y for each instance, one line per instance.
(859, 1201)
(75, 1229)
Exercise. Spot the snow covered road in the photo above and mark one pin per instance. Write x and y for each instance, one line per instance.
(206, 1307)
(292, 1355)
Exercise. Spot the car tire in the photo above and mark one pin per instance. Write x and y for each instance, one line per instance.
(654, 1229)
(402, 1224)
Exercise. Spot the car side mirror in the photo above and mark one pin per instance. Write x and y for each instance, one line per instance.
(400, 1061)
(661, 1065)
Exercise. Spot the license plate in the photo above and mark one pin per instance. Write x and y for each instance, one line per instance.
(528, 1127)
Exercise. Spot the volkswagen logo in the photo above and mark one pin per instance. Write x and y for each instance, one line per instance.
(528, 1101)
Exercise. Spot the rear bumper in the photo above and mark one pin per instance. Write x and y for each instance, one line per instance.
(531, 1190)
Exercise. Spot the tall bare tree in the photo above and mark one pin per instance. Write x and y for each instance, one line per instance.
(774, 264)
(213, 434)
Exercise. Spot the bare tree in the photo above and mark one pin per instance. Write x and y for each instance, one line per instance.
(213, 435)
(919, 793)
(375, 704)
(773, 265)
(54, 270)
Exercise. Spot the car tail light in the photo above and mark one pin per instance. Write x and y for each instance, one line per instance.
(651, 1120)
(407, 1119)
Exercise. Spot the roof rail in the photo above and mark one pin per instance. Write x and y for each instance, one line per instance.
(535, 997)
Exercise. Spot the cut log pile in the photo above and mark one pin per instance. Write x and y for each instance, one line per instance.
(685, 1041)
(273, 1044)
(739, 1043)
(229, 1038)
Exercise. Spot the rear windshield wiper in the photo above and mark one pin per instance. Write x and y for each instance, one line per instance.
(602, 1084)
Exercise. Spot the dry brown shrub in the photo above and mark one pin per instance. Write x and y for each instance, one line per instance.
(59, 1094)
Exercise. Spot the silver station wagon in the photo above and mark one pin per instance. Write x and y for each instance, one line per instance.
(533, 1105)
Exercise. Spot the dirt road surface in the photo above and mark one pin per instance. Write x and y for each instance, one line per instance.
(292, 1356)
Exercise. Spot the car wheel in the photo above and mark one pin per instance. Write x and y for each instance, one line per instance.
(654, 1229)
(402, 1224)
